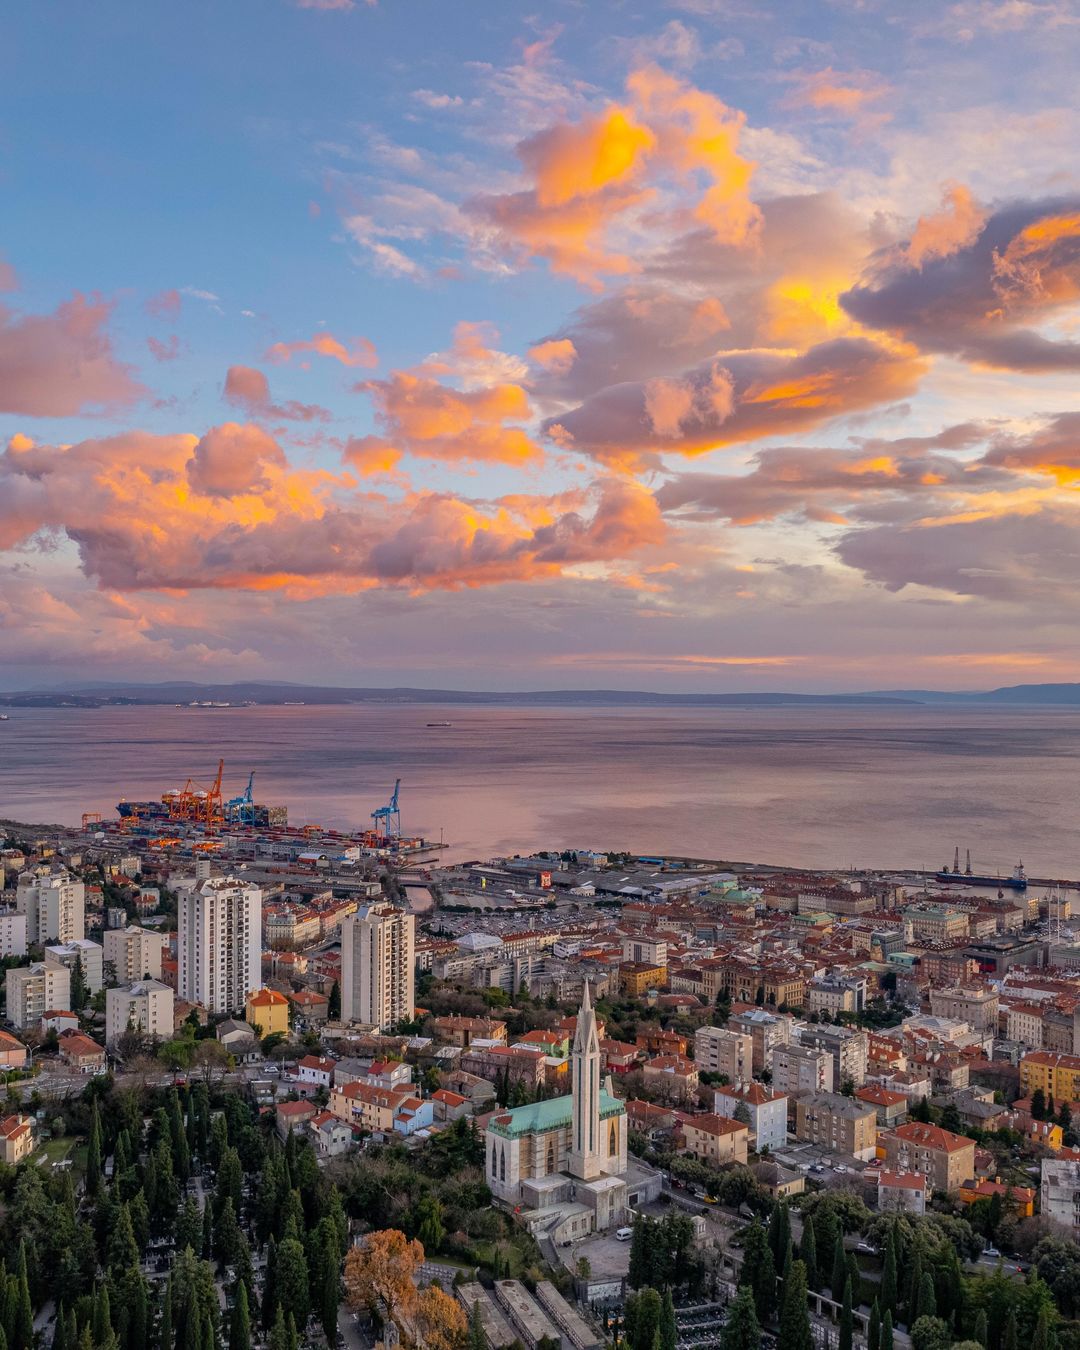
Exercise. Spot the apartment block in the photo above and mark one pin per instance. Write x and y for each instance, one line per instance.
(378, 978)
(848, 1046)
(721, 1050)
(12, 934)
(975, 1005)
(32, 990)
(945, 1159)
(145, 1006)
(837, 1123)
(766, 1107)
(134, 953)
(766, 1030)
(801, 1069)
(715, 1139)
(1057, 1075)
(54, 905)
(1060, 1191)
(219, 943)
(80, 952)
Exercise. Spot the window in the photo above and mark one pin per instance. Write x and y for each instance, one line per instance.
(502, 1163)
(613, 1141)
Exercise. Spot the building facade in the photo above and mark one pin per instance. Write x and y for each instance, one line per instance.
(837, 1123)
(134, 953)
(378, 977)
(219, 943)
(35, 989)
(54, 905)
(945, 1159)
(145, 1006)
(720, 1050)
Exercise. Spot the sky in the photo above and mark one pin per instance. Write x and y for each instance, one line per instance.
(699, 346)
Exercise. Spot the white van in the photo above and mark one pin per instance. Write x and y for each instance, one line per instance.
(624, 1234)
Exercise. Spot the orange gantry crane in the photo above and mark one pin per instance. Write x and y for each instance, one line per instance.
(201, 807)
(90, 818)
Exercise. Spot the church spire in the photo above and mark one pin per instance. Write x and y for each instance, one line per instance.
(585, 1143)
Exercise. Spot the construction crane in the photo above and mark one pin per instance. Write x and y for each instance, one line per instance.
(387, 819)
(241, 810)
(90, 818)
(211, 812)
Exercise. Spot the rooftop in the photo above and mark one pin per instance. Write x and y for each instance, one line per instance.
(554, 1114)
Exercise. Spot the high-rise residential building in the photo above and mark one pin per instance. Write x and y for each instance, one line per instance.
(146, 1005)
(36, 989)
(801, 1068)
(720, 1050)
(12, 934)
(378, 979)
(80, 952)
(219, 942)
(54, 905)
(133, 954)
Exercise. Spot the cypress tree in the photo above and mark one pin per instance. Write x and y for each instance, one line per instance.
(240, 1326)
(1008, 1341)
(758, 1272)
(779, 1233)
(101, 1321)
(873, 1328)
(927, 1300)
(207, 1251)
(270, 1296)
(839, 1268)
(808, 1254)
(980, 1332)
(847, 1319)
(795, 1316)
(1045, 1337)
(914, 1285)
(477, 1338)
(23, 1339)
(93, 1153)
(888, 1276)
(640, 1257)
(741, 1330)
(669, 1333)
(886, 1342)
(165, 1327)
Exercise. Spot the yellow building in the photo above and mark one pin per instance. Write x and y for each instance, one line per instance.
(1057, 1075)
(16, 1139)
(638, 977)
(268, 1011)
(715, 1139)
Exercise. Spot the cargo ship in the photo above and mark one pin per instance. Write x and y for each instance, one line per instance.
(1016, 881)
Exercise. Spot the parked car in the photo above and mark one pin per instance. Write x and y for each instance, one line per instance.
(624, 1234)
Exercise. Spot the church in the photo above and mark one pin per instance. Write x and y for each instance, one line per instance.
(561, 1164)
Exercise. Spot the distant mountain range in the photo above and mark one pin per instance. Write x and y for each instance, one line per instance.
(281, 692)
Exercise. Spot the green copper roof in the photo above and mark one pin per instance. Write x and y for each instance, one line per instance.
(554, 1114)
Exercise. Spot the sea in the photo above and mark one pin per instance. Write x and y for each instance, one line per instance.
(813, 786)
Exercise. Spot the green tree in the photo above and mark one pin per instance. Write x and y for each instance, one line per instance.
(741, 1330)
(888, 1278)
(647, 1327)
(1045, 1337)
(292, 1280)
(873, 1328)
(477, 1336)
(333, 1003)
(926, 1304)
(847, 1318)
(1038, 1104)
(669, 1332)
(758, 1272)
(839, 1268)
(165, 1327)
(779, 1232)
(325, 1277)
(430, 1230)
(930, 1333)
(93, 1153)
(808, 1253)
(1009, 1338)
(886, 1342)
(979, 1333)
(80, 994)
(240, 1322)
(795, 1316)
(640, 1271)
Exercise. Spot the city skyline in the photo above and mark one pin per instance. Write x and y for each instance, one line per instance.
(716, 346)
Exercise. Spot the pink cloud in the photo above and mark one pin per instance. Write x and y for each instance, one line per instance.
(60, 364)
(164, 305)
(249, 389)
(168, 350)
(232, 459)
(356, 352)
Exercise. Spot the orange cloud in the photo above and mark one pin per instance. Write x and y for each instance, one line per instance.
(358, 351)
(841, 94)
(556, 355)
(249, 389)
(232, 459)
(954, 227)
(671, 147)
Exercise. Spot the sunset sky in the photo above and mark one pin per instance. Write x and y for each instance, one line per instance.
(709, 345)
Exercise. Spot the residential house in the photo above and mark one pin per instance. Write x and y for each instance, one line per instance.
(891, 1107)
(13, 1053)
(714, 1139)
(268, 1010)
(902, 1192)
(317, 1070)
(293, 1116)
(674, 1077)
(766, 1107)
(16, 1139)
(837, 1123)
(331, 1136)
(366, 1106)
(449, 1106)
(946, 1159)
(723, 1050)
(80, 1052)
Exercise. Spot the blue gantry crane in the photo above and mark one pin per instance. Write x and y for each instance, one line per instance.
(386, 820)
(241, 810)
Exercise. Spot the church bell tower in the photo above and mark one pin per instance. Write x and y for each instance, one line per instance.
(586, 1143)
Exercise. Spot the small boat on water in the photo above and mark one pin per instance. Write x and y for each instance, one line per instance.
(440, 724)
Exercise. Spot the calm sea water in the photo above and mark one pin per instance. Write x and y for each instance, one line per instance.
(820, 787)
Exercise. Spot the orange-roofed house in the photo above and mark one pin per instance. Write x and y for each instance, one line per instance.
(294, 1115)
(903, 1192)
(891, 1107)
(946, 1159)
(674, 1077)
(81, 1052)
(450, 1106)
(12, 1052)
(554, 1043)
(1020, 1199)
(714, 1139)
(16, 1139)
(268, 1012)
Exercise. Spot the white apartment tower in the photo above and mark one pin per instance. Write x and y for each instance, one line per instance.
(219, 942)
(378, 977)
(147, 1006)
(35, 990)
(54, 905)
(133, 953)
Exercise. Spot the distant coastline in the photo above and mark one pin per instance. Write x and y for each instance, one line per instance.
(281, 694)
